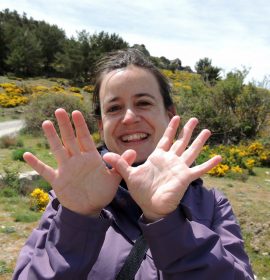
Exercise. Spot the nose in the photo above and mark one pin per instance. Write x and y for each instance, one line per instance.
(130, 117)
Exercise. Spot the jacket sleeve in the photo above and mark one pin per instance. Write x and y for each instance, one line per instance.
(184, 249)
(64, 246)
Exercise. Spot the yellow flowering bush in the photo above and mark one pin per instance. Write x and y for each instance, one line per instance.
(57, 89)
(40, 89)
(96, 137)
(220, 170)
(250, 163)
(181, 80)
(89, 88)
(8, 85)
(38, 200)
(38, 94)
(12, 95)
(237, 161)
(237, 169)
(8, 101)
(75, 89)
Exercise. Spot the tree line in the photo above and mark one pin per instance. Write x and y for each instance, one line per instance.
(29, 47)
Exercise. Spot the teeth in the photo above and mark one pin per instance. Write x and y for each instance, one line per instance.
(132, 137)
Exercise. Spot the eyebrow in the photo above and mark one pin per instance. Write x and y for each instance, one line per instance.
(113, 99)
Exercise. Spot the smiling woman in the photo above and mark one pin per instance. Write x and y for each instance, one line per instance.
(140, 185)
(132, 112)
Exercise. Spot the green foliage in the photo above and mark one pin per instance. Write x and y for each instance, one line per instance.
(232, 110)
(4, 268)
(11, 177)
(52, 41)
(43, 107)
(11, 183)
(18, 153)
(25, 57)
(30, 47)
(209, 73)
(26, 216)
(44, 185)
(7, 229)
(8, 192)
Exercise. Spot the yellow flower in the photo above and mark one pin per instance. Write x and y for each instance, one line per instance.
(219, 171)
(89, 88)
(250, 163)
(237, 169)
(40, 89)
(39, 200)
(75, 89)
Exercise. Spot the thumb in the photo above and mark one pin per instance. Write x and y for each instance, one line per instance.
(119, 163)
(129, 156)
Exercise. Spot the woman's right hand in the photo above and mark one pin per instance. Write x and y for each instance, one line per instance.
(82, 182)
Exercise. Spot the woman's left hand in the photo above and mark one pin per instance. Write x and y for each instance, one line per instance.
(159, 184)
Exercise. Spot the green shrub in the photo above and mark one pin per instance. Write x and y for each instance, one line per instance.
(8, 192)
(7, 229)
(44, 185)
(232, 110)
(4, 268)
(26, 216)
(44, 144)
(11, 177)
(43, 107)
(18, 153)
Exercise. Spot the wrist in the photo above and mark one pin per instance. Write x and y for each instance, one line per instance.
(151, 218)
(93, 213)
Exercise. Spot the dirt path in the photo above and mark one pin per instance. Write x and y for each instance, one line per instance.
(10, 127)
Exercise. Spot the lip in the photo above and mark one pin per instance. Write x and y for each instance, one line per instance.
(135, 137)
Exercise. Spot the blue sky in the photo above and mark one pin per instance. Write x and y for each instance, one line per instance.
(234, 34)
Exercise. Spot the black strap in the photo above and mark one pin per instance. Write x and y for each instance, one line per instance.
(133, 260)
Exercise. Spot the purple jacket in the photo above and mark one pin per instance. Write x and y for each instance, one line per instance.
(200, 240)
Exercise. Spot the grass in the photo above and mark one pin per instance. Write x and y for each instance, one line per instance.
(36, 144)
(250, 202)
(16, 223)
(4, 268)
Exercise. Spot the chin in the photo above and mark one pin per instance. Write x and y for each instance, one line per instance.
(140, 159)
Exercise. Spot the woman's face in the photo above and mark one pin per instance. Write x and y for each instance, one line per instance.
(133, 115)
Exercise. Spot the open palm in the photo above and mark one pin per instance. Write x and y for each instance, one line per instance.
(159, 184)
(82, 182)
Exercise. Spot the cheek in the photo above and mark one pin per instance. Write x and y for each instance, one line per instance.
(107, 132)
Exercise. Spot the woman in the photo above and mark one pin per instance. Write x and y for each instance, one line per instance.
(141, 185)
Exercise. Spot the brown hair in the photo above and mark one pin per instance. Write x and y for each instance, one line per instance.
(122, 59)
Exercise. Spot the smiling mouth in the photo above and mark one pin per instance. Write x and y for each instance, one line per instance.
(134, 137)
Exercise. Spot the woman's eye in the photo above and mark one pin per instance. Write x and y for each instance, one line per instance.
(113, 108)
(143, 103)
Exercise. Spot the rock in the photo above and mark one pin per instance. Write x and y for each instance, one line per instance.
(27, 181)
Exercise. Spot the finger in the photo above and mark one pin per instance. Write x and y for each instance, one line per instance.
(129, 156)
(167, 139)
(67, 132)
(42, 169)
(119, 164)
(199, 170)
(56, 145)
(181, 143)
(195, 148)
(83, 135)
